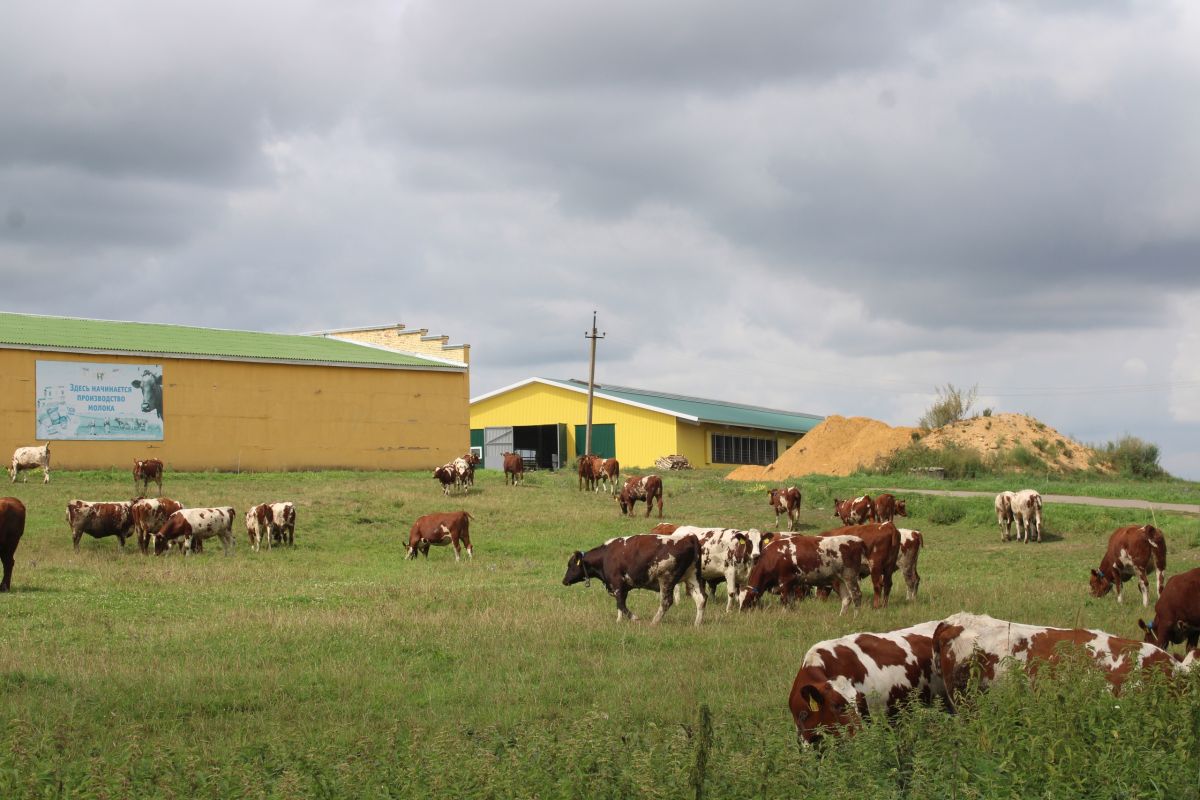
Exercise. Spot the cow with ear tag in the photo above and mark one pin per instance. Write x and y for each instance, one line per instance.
(645, 561)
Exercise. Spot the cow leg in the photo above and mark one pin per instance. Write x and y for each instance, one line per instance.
(623, 611)
(850, 585)
(913, 579)
(226, 543)
(1119, 586)
(666, 599)
(121, 540)
(1144, 586)
(695, 587)
(46, 474)
(1159, 584)
(887, 588)
(6, 581)
(75, 537)
(659, 507)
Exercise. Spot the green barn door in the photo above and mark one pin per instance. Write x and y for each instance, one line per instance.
(604, 439)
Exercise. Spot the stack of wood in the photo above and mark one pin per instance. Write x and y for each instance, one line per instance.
(673, 462)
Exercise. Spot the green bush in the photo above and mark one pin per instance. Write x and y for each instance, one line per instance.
(1132, 457)
(946, 512)
(959, 462)
(953, 404)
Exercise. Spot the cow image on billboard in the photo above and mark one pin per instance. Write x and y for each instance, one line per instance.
(78, 400)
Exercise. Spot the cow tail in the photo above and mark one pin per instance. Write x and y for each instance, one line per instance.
(1159, 543)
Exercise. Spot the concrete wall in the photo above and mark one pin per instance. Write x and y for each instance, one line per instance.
(230, 415)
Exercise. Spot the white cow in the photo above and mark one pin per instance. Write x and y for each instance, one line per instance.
(726, 554)
(1004, 514)
(1027, 511)
(271, 522)
(197, 524)
(31, 458)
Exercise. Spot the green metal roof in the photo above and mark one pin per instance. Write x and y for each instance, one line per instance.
(714, 411)
(102, 336)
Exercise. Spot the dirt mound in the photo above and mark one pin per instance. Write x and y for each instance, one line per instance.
(988, 435)
(838, 446)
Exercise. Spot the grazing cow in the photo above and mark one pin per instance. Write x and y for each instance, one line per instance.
(843, 681)
(911, 542)
(448, 476)
(514, 467)
(645, 561)
(588, 465)
(647, 488)
(452, 527)
(145, 471)
(785, 501)
(1004, 514)
(856, 511)
(189, 526)
(1177, 612)
(975, 644)
(149, 515)
(271, 522)
(607, 471)
(1027, 511)
(879, 558)
(12, 528)
(31, 458)
(793, 563)
(152, 393)
(1132, 550)
(99, 520)
(887, 507)
(464, 470)
(726, 555)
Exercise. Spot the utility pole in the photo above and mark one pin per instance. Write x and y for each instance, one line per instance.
(587, 446)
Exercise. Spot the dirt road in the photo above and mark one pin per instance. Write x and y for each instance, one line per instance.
(1110, 502)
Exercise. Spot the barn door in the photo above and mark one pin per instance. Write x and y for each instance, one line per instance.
(496, 442)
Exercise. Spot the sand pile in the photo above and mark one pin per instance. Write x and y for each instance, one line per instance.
(1003, 431)
(838, 446)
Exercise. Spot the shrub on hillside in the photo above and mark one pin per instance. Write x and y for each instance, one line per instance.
(958, 461)
(952, 405)
(1133, 458)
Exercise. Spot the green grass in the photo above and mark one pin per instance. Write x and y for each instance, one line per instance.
(338, 669)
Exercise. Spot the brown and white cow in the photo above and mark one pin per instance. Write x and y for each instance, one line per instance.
(150, 469)
(608, 472)
(726, 554)
(1004, 514)
(438, 530)
(887, 508)
(99, 520)
(447, 475)
(1177, 612)
(271, 523)
(1027, 511)
(880, 557)
(25, 458)
(1132, 551)
(844, 681)
(188, 526)
(464, 469)
(647, 488)
(12, 528)
(149, 515)
(588, 465)
(785, 501)
(644, 561)
(976, 644)
(793, 563)
(514, 468)
(911, 542)
(856, 511)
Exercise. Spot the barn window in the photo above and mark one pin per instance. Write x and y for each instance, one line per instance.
(743, 450)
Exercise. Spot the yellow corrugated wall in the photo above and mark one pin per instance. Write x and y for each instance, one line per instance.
(236, 415)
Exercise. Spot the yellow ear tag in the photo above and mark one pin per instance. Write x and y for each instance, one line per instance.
(813, 706)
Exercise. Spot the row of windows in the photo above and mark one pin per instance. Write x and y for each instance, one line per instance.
(743, 450)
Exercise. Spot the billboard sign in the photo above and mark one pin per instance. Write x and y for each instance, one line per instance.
(84, 400)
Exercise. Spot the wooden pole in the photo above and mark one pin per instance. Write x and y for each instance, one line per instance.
(587, 441)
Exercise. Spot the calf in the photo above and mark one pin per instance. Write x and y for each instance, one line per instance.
(856, 511)
(1132, 550)
(1177, 612)
(645, 561)
(1027, 511)
(879, 558)
(887, 507)
(31, 458)
(726, 555)
(1004, 514)
(447, 476)
(514, 467)
(12, 528)
(608, 471)
(99, 520)
(843, 681)
(911, 542)
(189, 526)
(785, 501)
(796, 562)
(149, 515)
(271, 522)
(588, 465)
(975, 644)
(145, 471)
(647, 488)
(438, 530)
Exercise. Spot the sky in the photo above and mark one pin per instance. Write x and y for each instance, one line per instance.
(825, 207)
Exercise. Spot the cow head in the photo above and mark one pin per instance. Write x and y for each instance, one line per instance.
(623, 500)
(817, 708)
(151, 386)
(742, 549)
(1101, 583)
(839, 507)
(576, 570)
(900, 509)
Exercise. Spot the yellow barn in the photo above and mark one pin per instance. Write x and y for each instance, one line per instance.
(544, 420)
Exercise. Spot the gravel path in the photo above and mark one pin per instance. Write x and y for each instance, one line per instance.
(1187, 508)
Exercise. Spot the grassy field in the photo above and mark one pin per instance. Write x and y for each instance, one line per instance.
(337, 669)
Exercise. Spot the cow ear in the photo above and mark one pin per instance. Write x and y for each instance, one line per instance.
(813, 698)
(741, 537)
(767, 537)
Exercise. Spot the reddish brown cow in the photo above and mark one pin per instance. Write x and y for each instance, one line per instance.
(1177, 612)
(151, 469)
(514, 468)
(588, 467)
(854, 512)
(785, 501)
(99, 520)
(647, 487)
(882, 551)
(793, 563)
(12, 528)
(149, 515)
(645, 561)
(1132, 550)
(438, 530)
(447, 476)
(887, 508)
(608, 472)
